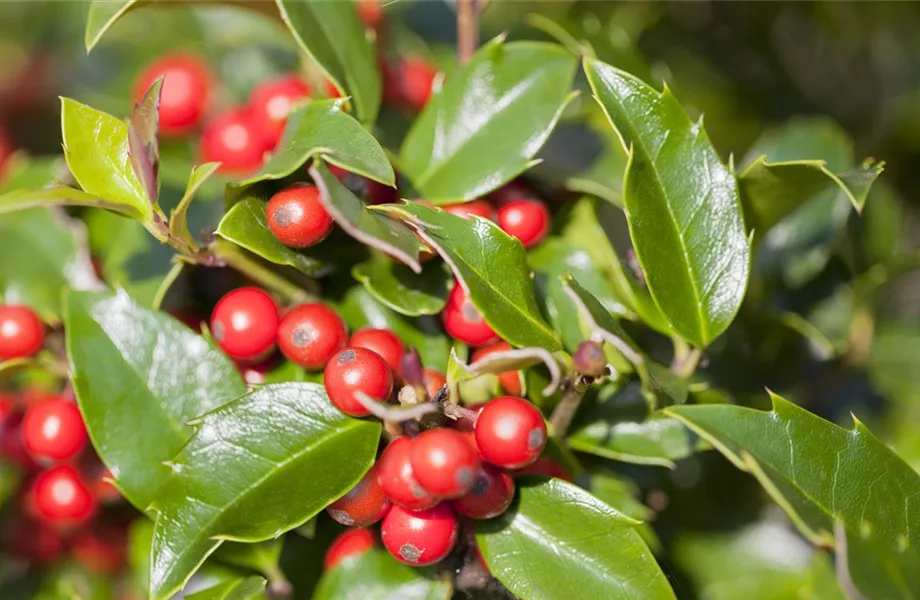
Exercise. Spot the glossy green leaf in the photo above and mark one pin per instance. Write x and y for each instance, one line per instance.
(332, 35)
(102, 15)
(323, 128)
(603, 555)
(682, 205)
(143, 141)
(489, 120)
(140, 539)
(178, 218)
(490, 264)
(246, 226)
(408, 293)
(820, 474)
(622, 494)
(375, 575)
(60, 196)
(141, 375)
(262, 557)
(370, 228)
(243, 588)
(96, 150)
(283, 446)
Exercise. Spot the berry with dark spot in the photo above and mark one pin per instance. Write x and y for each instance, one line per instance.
(21, 332)
(311, 334)
(271, 103)
(245, 323)
(363, 505)
(510, 432)
(396, 479)
(357, 370)
(463, 322)
(421, 537)
(53, 430)
(526, 219)
(382, 341)
(61, 497)
(349, 544)
(185, 95)
(297, 217)
(509, 380)
(444, 463)
(489, 497)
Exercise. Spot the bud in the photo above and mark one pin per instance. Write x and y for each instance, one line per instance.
(590, 359)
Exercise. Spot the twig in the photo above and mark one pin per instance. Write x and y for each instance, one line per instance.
(468, 12)
(573, 391)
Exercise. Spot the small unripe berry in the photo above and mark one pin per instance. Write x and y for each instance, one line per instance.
(311, 334)
(444, 463)
(245, 323)
(235, 141)
(382, 341)
(271, 103)
(509, 380)
(590, 359)
(297, 217)
(489, 497)
(479, 208)
(363, 505)
(21, 332)
(357, 370)
(394, 474)
(420, 537)
(526, 219)
(185, 94)
(463, 322)
(510, 432)
(61, 496)
(53, 430)
(351, 543)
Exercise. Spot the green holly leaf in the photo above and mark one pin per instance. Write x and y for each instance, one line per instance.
(141, 375)
(823, 475)
(283, 446)
(488, 122)
(262, 557)
(60, 195)
(246, 226)
(682, 205)
(96, 150)
(408, 293)
(375, 575)
(490, 264)
(333, 36)
(242, 588)
(102, 15)
(604, 554)
(178, 218)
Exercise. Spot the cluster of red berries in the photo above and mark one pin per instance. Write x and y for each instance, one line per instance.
(46, 437)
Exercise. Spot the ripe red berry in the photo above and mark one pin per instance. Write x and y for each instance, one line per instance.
(420, 537)
(526, 219)
(382, 341)
(463, 322)
(61, 496)
(21, 333)
(363, 505)
(357, 370)
(370, 12)
(414, 79)
(394, 474)
(434, 381)
(351, 543)
(510, 432)
(233, 139)
(101, 550)
(489, 497)
(444, 463)
(185, 94)
(311, 334)
(53, 430)
(297, 217)
(480, 208)
(271, 103)
(509, 380)
(545, 467)
(245, 323)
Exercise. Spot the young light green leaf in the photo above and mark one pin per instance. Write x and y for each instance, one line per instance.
(323, 128)
(246, 226)
(242, 588)
(283, 445)
(682, 205)
(102, 15)
(489, 120)
(178, 218)
(61, 196)
(371, 229)
(604, 557)
(333, 36)
(142, 374)
(96, 150)
(143, 144)
(375, 575)
(408, 293)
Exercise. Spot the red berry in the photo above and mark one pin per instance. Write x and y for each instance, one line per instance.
(394, 474)
(463, 322)
(53, 430)
(61, 496)
(363, 505)
(311, 334)
(526, 219)
(185, 93)
(444, 463)
(21, 333)
(434, 381)
(32, 541)
(235, 140)
(271, 103)
(357, 370)
(510, 432)
(351, 543)
(382, 341)
(414, 80)
(489, 497)
(420, 537)
(370, 12)
(245, 323)
(480, 208)
(101, 550)
(509, 380)
(297, 217)
(545, 467)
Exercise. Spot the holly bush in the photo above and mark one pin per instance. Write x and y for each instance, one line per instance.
(324, 301)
